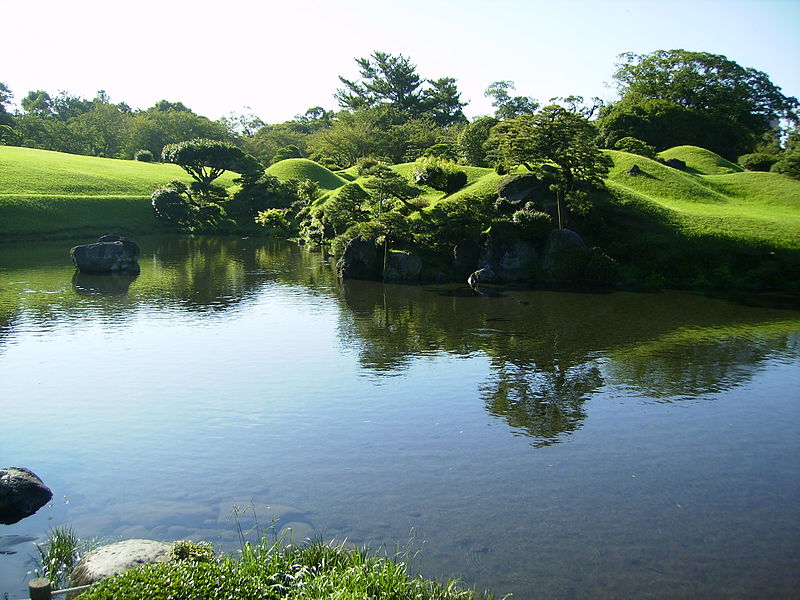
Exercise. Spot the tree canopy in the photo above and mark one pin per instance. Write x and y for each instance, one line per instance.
(205, 160)
(712, 86)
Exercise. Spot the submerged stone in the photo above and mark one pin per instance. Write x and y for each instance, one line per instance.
(22, 493)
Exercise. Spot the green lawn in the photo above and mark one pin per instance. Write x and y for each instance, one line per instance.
(53, 194)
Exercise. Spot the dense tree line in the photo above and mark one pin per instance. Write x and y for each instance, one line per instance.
(390, 112)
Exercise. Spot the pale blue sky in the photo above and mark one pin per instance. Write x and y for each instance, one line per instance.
(280, 58)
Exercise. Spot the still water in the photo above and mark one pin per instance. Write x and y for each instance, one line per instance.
(543, 444)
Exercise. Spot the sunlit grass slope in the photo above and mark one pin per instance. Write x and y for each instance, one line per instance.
(303, 168)
(58, 194)
(753, 208)
(700, 161)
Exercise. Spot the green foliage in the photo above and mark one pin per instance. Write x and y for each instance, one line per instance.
(58, 555)
(561, 137)
(386, 185)
(275, 221)
(289, 151)
(143, 156)
(346, 208)
(275, 571)
(506, 106)
(266, 192)
(187, 550)
(205, 159)
(393, 80)
(635, 146)
(535, 224)
(440, 174)
(724, 98)
(173, 203)
(472, 140)
(789, 164)
(758, 161)
(440, 150)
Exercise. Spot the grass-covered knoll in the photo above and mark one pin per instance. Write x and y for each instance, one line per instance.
(303, 168)
(313, 571)
(700, 160)
(753, 208)
(58, 194)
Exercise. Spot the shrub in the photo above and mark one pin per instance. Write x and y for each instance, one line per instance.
(275, 221)
(191, 551)
(172, 203)
(535, 224)
(438, 173)
(346, 208)
(581, 266)
(635, 146)
(789, 164)
(444, 151)
(364, 165)
(143, 156)
(290, 151)
(758, 161)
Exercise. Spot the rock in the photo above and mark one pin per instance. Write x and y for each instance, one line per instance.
(634, 171)
(560, 238)
(466, 254)
(361, 260)
(485, 275)
(676, 163)
(22, 493)
(509, 257)
(111, 254)
(402, 267)
(117, 558)
(522, 188)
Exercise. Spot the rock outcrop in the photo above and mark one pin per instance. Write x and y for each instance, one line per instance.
(402, 267)
(117, 558)
(22, 493)
(361, 260)
(110, 254)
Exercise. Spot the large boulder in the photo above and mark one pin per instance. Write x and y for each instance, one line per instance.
(361, 260)
(402, 267)
(509, 257)
(560, 238)
(523, 188)
(22, 493)
(676, 163)
(110, 254)
(117, 558)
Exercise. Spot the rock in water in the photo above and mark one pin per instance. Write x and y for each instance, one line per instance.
(22, 493)
(361, 260)
(110, 254)
(402, 267)
(117, 558)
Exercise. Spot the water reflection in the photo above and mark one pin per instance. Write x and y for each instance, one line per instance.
(110, 284)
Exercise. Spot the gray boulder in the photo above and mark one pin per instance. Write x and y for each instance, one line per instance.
(361, 260)
(523, 188)
(402, 267)
(116, 558)
(111, 254)
(22, 493)
(560, 238)
(634, 171)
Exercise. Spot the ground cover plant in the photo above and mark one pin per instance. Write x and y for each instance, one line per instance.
(274, 570)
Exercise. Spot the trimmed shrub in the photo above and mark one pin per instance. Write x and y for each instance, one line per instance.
(172, 203)
(758, 161)
(789, 164)
(143, 156)
(274, 220)
(534, 224)
(290, 151)
(438, 173)
(635, 146)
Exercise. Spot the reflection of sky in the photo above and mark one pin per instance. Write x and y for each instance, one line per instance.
(150, 415)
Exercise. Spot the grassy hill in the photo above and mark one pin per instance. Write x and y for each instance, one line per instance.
(53, 194)
(675, 227)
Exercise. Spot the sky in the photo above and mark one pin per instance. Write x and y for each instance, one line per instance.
(277, 59)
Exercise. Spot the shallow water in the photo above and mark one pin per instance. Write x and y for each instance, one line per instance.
(543, 444)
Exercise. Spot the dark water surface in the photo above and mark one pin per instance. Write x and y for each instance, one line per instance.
(543, 444)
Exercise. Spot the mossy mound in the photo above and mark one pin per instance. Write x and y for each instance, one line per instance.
(700, 161)
(303, 168)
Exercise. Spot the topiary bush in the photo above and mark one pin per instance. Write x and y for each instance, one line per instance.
(275, 221)
(758, 161)
(173, 204)
(439, 173)
(290, 151)
(635, 146)
(534, 224)
(143, 156)
(789, 164)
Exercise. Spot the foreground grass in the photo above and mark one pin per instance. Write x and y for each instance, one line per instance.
(272, 571)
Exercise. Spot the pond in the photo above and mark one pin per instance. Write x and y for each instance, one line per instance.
(549, 445)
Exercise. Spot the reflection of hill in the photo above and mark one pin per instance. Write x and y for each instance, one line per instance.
(545, 348)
